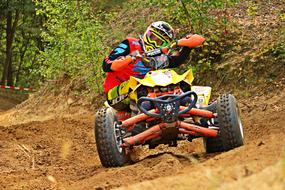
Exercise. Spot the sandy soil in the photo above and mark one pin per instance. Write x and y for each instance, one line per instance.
(6, 103)
(59, 152)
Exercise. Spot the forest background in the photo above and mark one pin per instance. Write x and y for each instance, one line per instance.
(41, 41)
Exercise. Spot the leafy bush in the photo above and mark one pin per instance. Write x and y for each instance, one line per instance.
(73, 41)
(76, 40)
(196, 15)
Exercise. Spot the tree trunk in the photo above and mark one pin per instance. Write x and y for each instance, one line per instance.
(10, 69)
(8, 47)
(10, 32)
(22, 52)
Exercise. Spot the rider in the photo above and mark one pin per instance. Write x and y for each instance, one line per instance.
(124, 62)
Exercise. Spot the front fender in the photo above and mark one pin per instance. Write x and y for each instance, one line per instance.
(154, 78)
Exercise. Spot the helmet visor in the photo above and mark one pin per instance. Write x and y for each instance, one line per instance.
(156, 40)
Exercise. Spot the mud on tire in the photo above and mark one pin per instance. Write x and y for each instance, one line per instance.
(107, 137)
(231, 132)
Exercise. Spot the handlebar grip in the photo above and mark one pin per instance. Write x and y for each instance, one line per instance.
(142, 99)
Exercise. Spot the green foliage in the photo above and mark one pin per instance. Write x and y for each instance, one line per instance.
(72, 46)
(12, 5)
(279, 49)
(252, 9)
(282, 16)
(209, 18)
(102, 6)
(23, 32)
(196, 15)
(73, 39)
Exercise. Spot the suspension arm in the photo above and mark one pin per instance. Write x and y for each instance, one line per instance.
(155, 132)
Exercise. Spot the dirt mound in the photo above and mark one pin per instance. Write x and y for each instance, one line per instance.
(60, 153)
(273, 177)
(45, 105)
(9, 99)
(6, 104)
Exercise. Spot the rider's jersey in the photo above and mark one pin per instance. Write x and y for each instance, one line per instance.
(136, 69)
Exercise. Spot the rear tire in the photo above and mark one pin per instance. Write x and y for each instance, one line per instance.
(108, 139)
(231, 131)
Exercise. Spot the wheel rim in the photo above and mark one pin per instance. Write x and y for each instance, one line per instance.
(239, 122)
(118, 137)
(240, 127)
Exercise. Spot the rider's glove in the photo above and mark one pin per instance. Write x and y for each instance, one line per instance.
(122, 62)
(191, 42)
(176, 42)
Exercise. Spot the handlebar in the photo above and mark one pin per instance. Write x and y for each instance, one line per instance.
(168, 105)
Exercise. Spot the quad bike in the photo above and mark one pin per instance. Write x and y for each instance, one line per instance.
(166, 108)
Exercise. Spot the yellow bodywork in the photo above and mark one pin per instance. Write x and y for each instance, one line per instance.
(166, 77)
(203, 93)
(162, 77)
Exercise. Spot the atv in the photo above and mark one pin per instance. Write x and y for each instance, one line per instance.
(167, 108)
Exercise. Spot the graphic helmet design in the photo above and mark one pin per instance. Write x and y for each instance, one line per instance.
(158, 34)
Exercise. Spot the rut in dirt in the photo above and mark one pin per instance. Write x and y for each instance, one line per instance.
(61, 153)
(66, 150)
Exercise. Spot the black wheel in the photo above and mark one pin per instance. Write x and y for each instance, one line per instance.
(230, 127)
(108, 136)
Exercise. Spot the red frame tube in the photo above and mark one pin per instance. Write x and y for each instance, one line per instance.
(128, 123)
(184, 131)
(141, 117)
(155, 132)
(143, 136)
(199, 112)
(200, 131)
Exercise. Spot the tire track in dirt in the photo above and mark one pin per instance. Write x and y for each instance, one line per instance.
(66, 150)
(60, 153)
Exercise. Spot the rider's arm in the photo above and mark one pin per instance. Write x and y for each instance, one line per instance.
(181, 57)
(118, 58)
(191, 41)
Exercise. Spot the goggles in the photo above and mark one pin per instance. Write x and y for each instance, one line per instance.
(156, 40)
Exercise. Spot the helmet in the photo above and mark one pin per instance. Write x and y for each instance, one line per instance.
(158, 34)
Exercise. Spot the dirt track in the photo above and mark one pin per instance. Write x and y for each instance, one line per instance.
(58, 152)
(6, 103)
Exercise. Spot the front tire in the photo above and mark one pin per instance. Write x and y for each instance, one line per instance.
(230, 133)
(108, 136)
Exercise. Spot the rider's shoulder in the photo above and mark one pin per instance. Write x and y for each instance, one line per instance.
(133, 40)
